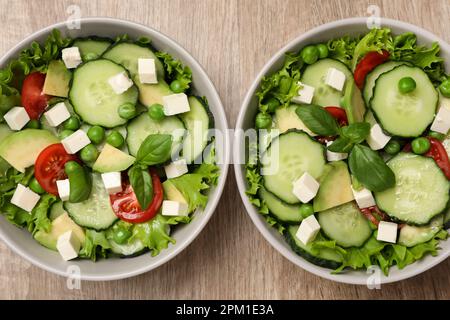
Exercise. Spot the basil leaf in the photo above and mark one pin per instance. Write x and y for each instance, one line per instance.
(342, 145)
(318, 120)
(155, 149)
(356, 132)
(370, 169)
(141, 182)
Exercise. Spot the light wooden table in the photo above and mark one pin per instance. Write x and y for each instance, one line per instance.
(232, 40)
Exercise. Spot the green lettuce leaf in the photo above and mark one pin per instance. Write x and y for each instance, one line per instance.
(40, 213)
(175, 70)
(342, 49)
(282, 85)
(96, 245)
(375, 40)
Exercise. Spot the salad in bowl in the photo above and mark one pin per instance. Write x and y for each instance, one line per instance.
(352, 164)
(104, 147)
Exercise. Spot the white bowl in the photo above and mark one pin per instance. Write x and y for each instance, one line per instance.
(22, 242)
(353, 26)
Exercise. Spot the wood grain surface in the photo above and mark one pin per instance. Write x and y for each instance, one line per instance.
(232, 39)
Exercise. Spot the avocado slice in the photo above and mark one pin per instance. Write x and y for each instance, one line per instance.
(112, 160)
(152, 93)
(21, 149)
(172, 193)
(335, 187)
(57, 79)
(60, 225)
(353, 102)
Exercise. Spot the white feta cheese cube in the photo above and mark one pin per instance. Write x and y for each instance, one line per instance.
(441, 122)
(175, 104)
(16, 118)
(174, 208)
(120, 82)
(71, 57)
(305, 94)
(63, 189)
(112, 182)
(335, 79)
(387, 232)
(363, 198)
(147, 71)
(308, 230)
(25, 198)
(176, 168)
(335, 156)
(377, 139)
(305, 188)
(76, 141)
(57, 114)
(68, 245)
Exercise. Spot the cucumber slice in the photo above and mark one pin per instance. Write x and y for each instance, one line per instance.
(412, 235)
(314, 76)
(325, 257)
(92, 97)
(127, 55)
(95, 212)
(404, 114)
(289, 156)
(373, 76)
(197, 122)
(421, 190)
(283, 212)
(142, 126)
(92, 46)
(345, 224)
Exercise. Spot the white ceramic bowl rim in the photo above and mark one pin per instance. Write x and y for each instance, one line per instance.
(352, 277)
(215, 194)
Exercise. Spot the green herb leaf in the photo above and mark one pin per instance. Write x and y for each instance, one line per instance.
(175, 70)
(370, 169)
(155, 149)
(356, 132)
(342, 145)
(141, 182)
(318, 120)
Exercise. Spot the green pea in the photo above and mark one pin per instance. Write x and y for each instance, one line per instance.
(127, 111)
(71, 166)
(90, 56)
(65, 133)
(115, 139)
(176, 86)
(444, 87)
(392, 147)
(306, 209)
(156, 112)
(72, 124)
(36, 187)
(33, 124)
(263, 121)
(420, 145)
(121, 235)
(310, 54)
(406, 84)
(96, 134)
(323, 50)
(437, 135)
(272, 104)
(89, 153)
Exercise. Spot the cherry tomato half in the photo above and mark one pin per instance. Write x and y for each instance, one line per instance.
(339, 114)
(33, 99)
(367, 64)
(126, 206)
(49, 167)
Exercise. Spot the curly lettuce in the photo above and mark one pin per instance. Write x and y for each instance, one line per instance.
(175, 70)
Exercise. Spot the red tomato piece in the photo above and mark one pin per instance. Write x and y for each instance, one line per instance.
(49, 167)
(33, 99)
(126, 206)
(339, 114)
(367, 64)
